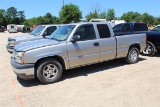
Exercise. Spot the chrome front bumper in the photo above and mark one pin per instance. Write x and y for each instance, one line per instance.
(10, 48)
(25, 71)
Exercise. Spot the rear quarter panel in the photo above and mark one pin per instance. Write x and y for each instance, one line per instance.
(125, 41)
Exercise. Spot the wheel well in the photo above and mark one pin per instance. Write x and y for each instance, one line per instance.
(59, 58)
(135, 45)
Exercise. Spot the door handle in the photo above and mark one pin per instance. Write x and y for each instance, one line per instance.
(96, 44)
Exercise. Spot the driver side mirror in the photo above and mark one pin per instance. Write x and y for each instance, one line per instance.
(75, 38)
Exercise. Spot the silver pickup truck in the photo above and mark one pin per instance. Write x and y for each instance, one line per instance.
(71, 46)
(36, 34)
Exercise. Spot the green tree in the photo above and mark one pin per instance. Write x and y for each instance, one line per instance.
(40, 20)
(149, 19)
(31, 21)
(70, 13)
(126, 17)
(96, 13)
(21, 17)
(92, 15)
(12, 14)
(110, 14)
(2, 18)
(49, 19)
(132, 17)
(157, 20)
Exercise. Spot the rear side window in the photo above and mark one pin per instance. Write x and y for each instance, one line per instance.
(126, 28)
(117, 28)
(104, 31)
(140, 27)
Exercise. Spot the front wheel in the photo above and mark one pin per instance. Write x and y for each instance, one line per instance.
(132, 56)
(150, 50)
(49, 71)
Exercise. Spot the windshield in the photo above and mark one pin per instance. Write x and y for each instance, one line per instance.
(37, 31)
(62, 32)
(156, 28)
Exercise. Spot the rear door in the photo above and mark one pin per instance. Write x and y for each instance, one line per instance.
(107, 43)
(86, 50)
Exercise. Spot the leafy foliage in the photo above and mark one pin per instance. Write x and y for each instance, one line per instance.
(110, 14)
(70, 13)
(137, 17)
(11, 16)
(46, 19)
(96, 13)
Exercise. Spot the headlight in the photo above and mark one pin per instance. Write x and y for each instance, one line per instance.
(19, 57)
(12, 42)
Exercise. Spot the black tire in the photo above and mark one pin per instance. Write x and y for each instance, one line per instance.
(133, 51)
(150, 50)
(43, 71)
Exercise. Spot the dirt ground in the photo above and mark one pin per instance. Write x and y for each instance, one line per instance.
(108, 84)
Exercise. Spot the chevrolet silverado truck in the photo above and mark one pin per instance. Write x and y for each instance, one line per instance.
(38, 33)
(71, 46)
(153, 37)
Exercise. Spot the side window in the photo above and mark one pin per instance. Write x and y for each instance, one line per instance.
(126, 28)
(51, 29)
(117, 28)
(104, 31)
(86, 32)
(140, 27)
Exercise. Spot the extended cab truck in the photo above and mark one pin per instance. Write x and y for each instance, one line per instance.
(36, 34)
(71, 46)
(153, 37)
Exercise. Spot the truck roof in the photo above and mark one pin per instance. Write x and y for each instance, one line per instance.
(51, 25)
(80, 23)
(133, 23)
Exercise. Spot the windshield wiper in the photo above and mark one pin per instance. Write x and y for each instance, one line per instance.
(54, 39)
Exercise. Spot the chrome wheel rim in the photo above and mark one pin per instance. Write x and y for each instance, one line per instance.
(50, 71)
(134, 55)
(148, 49)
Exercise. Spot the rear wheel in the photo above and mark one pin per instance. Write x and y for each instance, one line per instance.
(132, 56)
(150, 50)
(49, 71)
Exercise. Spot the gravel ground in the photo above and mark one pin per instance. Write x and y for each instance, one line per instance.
(108, 84)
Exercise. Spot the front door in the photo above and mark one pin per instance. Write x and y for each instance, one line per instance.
(86, 50)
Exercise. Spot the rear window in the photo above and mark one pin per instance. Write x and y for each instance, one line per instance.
(12, 26)
(104, 31)
(140, 27)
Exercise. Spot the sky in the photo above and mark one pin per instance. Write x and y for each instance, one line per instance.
(35, 8)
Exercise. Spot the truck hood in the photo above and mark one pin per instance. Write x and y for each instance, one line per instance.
(21, 37)
(35, 44)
